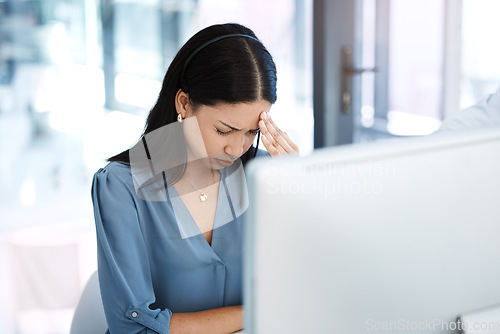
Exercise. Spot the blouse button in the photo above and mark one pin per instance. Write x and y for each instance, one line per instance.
(134, 314)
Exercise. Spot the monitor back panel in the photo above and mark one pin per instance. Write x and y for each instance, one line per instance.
(395, 236)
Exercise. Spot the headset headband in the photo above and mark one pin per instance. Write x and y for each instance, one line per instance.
(183, 83)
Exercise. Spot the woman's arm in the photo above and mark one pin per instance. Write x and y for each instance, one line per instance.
(227, 319)
(123, 266)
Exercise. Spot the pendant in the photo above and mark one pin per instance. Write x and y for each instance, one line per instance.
(203, 197)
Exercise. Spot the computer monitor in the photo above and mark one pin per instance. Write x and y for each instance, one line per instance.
(399, 236)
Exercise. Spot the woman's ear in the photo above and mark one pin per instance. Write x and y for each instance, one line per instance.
(182, 104)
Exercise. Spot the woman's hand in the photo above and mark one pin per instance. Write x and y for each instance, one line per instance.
(275, 140)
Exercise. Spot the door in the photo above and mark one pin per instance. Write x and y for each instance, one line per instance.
(385, 68)
(337, 40)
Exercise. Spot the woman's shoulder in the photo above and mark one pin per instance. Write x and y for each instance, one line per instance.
(117, 167)
(115, 170)
(137, 181)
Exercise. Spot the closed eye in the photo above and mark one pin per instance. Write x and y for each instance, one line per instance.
(223, 133)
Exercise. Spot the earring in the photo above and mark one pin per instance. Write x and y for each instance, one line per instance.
(179, 117)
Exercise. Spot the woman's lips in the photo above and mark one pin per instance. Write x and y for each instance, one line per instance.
(224, 163)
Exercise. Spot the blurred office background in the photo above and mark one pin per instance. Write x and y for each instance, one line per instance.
(77, 78)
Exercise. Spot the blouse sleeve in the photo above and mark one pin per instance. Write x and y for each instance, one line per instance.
(123, 265)
(262, 153)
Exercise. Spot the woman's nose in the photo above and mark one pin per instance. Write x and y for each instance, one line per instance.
(235, 146)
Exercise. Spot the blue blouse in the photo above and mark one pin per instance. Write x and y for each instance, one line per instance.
(151, 265)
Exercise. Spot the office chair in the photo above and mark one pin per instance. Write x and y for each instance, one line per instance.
(89, 313)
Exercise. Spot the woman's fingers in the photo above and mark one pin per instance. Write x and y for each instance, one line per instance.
(282, 137)
(273, 150)
(275, 140)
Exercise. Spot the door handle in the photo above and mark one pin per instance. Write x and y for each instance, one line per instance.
(348, 71)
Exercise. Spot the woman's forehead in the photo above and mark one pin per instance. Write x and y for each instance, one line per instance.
(238, 113)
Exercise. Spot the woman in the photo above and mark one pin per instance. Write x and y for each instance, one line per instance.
(167, 218)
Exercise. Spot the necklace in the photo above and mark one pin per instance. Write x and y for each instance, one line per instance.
(203, 196)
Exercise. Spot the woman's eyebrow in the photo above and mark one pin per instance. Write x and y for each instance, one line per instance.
(235, 129)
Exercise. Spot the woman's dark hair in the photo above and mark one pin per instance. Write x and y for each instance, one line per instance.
(231, 70)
